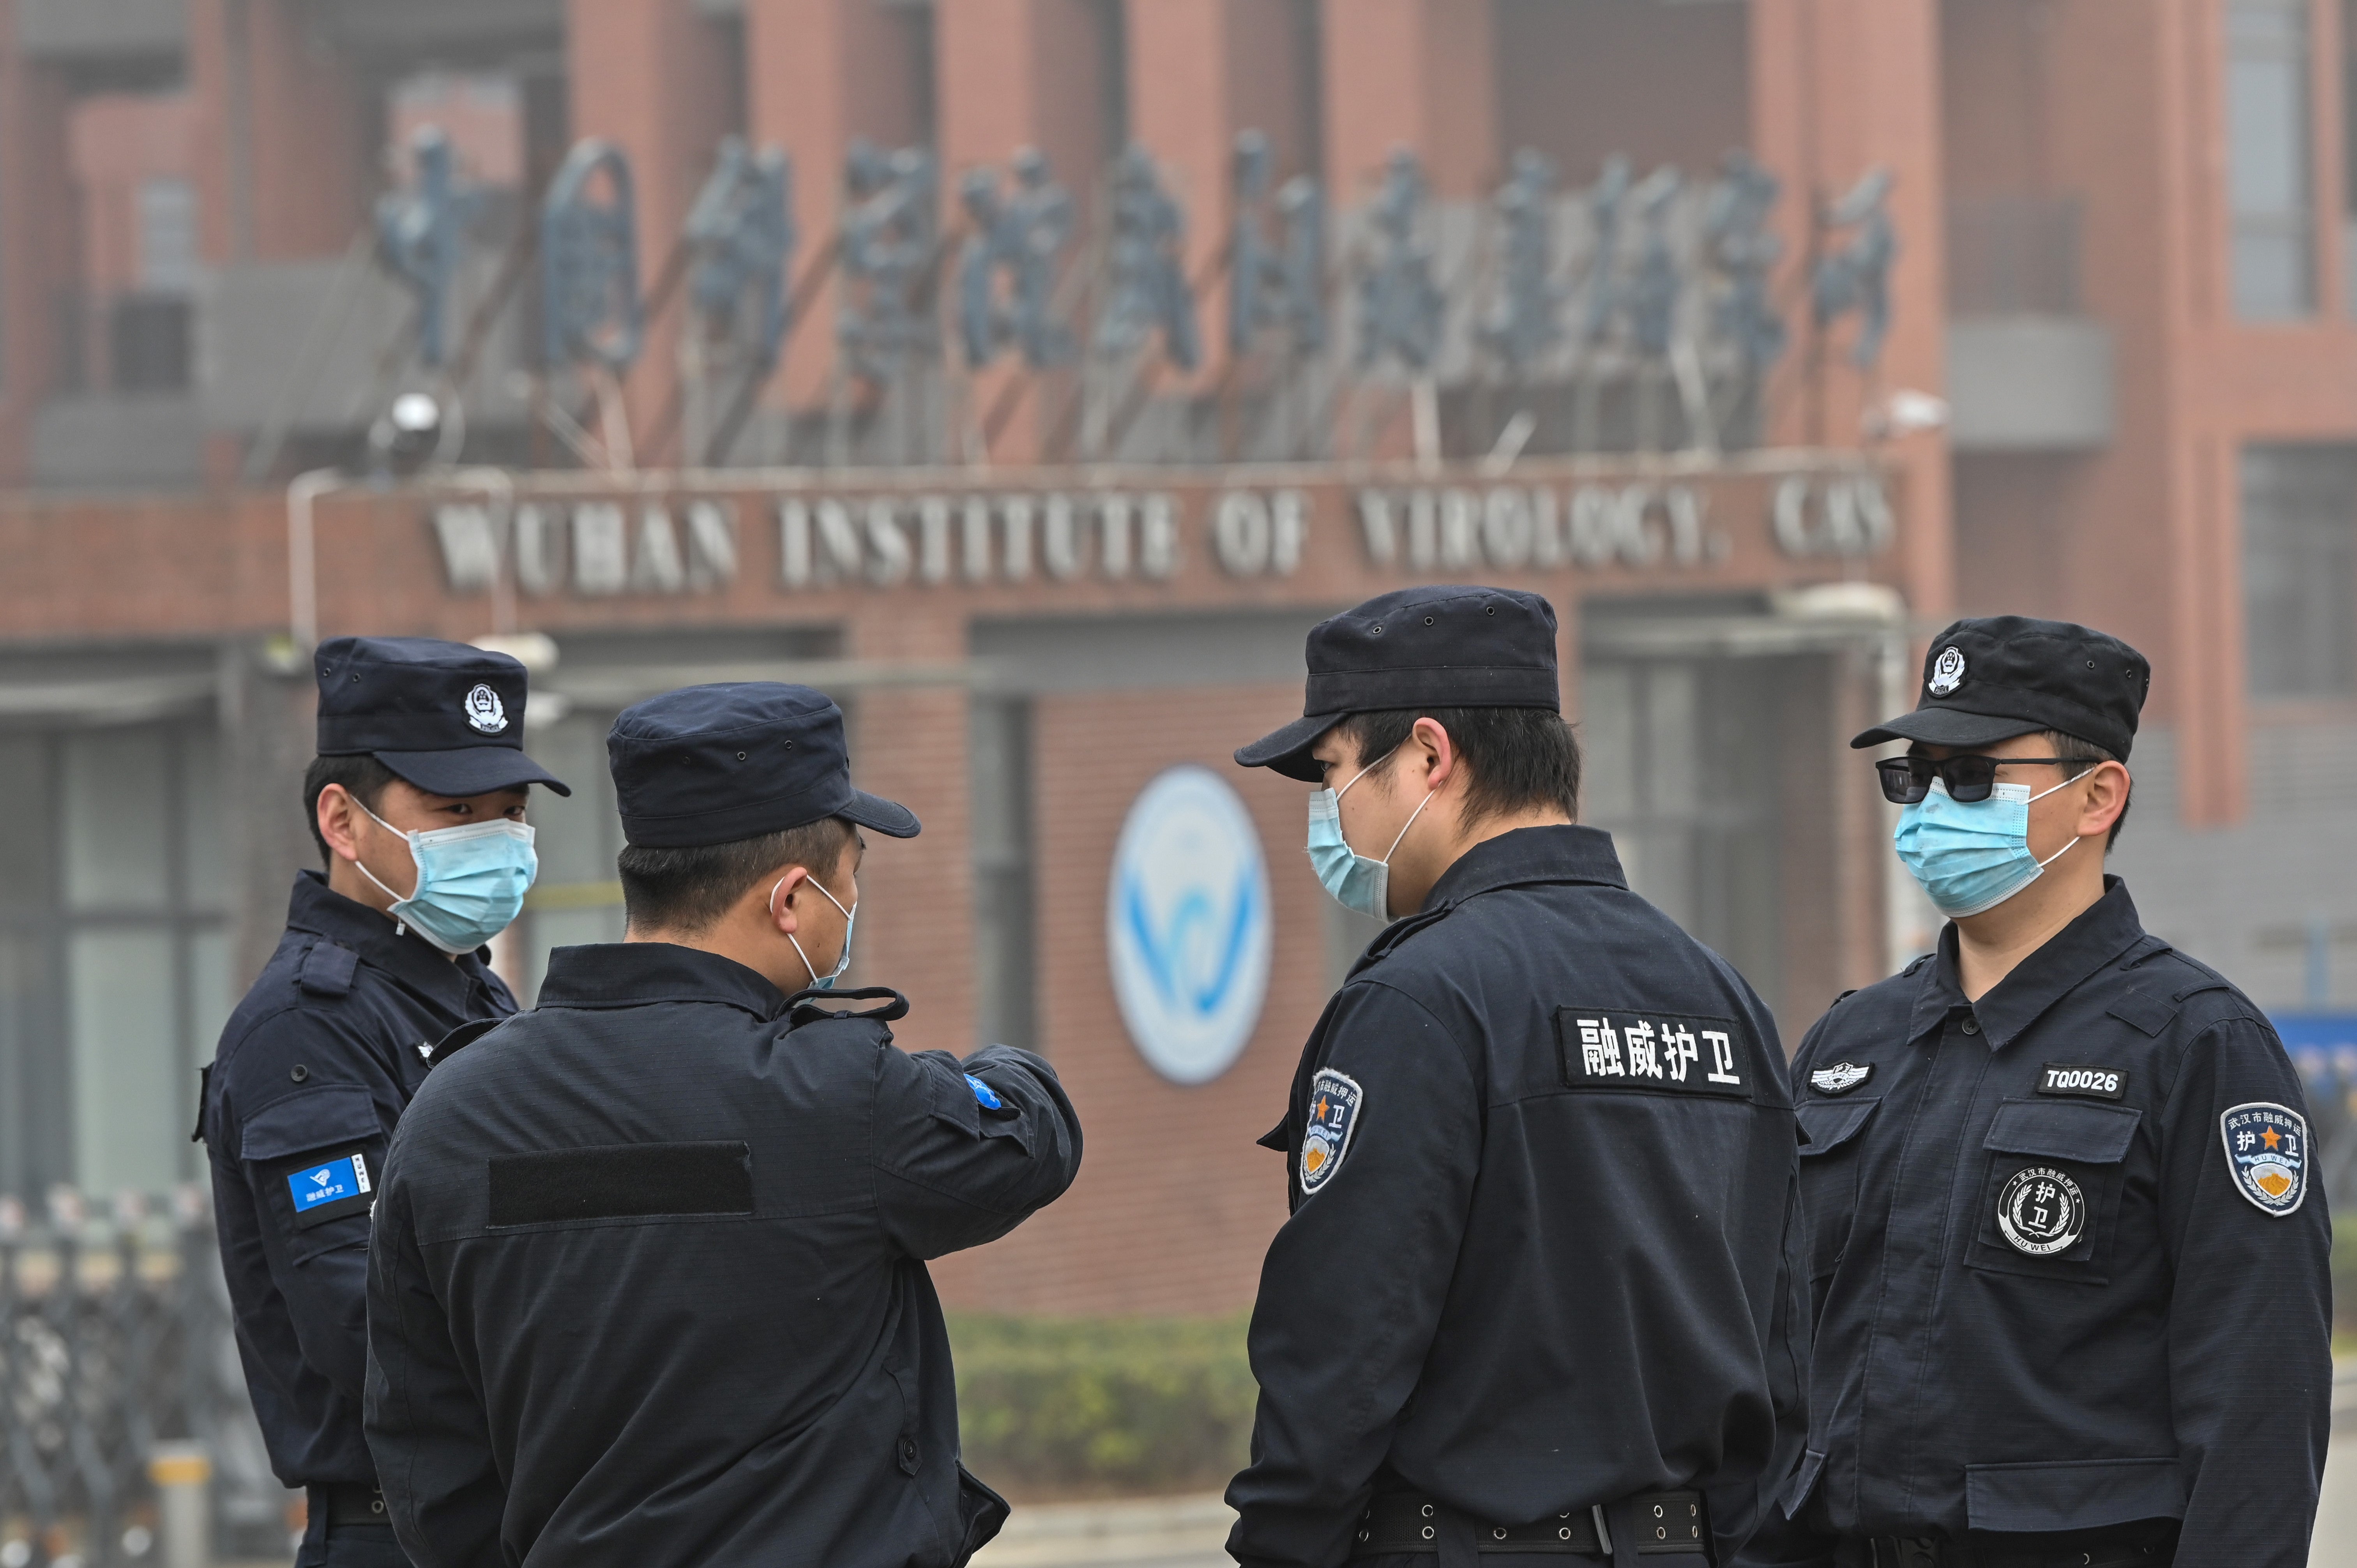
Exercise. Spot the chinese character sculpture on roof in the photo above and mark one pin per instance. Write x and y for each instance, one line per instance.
(1856, 276)
(1526, 322)
(1744, 250)
(741, 234)
(1276, 288)
(418, 231)
(590, 263)
(1145, 286)
(1021, 237)
(1401, 307)
(889, 228)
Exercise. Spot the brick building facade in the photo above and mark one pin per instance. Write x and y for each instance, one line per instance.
(2112, 389)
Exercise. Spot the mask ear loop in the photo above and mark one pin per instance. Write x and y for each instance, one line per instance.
(781, 882)
(400, 926)
(1345, 789)
(2076, 838)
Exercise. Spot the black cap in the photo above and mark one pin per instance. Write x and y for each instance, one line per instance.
(444, 716)
(715, 763)
(1419, 647)
(1990, 680)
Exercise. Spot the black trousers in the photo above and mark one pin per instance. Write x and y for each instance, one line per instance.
(349, 1546)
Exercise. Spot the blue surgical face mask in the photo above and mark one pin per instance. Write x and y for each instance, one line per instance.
(1971, 858)
(1356, 882)
(471, 881)
(850, 918)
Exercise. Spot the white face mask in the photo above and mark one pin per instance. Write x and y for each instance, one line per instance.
(850, 918)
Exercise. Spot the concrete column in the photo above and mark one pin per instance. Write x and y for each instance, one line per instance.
(909, 744)
(1414, 73)
(1839, 87)
(652, 77)
(38, 234)
(287, 136)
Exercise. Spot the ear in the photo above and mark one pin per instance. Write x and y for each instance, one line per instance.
(779, 901)
(2107, 797)
(1439, 753)
(340, 822)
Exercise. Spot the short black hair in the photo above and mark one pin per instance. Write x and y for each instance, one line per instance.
(688, 890)
(1521, 759)
(2078, 756)
(364, 779)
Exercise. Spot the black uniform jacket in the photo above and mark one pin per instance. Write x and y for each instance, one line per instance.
(2042, 1300)
(299, 1102)
(1543, 1249)
(647, 1286)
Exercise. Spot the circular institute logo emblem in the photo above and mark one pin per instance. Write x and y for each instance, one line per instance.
(1187, 925)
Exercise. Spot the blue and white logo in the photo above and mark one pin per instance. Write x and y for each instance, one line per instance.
(1187, 925)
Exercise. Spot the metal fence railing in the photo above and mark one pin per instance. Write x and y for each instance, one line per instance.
(115, 1347)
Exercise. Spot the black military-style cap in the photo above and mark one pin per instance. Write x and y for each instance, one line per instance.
(1430, 647)
(1990, 680)
(444, 716)
(715, 763)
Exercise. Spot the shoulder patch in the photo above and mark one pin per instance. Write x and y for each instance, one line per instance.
(1840, 1077)
(327, 970)
(984, 1095)
(1334, 1101)
(330, 1188)
(2266, 1155)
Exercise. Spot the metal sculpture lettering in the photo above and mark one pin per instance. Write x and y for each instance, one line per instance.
(1744, 251)
(590, 309)
(891, 231)
(1146, 293)
(419, 235)
(1276, 288)
(1855, 276)
(741, 232)
(1401, 306)
(1525, 323)
(1007, 267)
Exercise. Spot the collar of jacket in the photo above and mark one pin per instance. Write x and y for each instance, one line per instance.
(407, 957)
(2103, 932)
(1561, 853)
(640, 974)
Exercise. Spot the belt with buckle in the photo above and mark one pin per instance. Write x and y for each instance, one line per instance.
(348, 1502)
(1665, 1522)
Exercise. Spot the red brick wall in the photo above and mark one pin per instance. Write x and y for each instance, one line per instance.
(1175, 1205)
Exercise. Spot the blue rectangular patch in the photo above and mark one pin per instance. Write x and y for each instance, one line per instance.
(315, 1186)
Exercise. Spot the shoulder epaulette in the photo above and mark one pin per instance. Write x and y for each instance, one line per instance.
(1844, 996)
(810, 1006)
(459, 1038)
(327, 970)
(1388, 940)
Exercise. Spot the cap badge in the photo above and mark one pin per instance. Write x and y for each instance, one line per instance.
(1947, 673)
(484, 710)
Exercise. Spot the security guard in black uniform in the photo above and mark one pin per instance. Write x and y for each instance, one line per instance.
(416, 799)
(2069, 1271)
(648, 1285)
(1538, 1295)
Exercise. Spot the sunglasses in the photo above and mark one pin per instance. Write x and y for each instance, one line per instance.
(1907, 779)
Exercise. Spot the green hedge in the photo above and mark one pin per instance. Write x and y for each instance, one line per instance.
(1079, 1407)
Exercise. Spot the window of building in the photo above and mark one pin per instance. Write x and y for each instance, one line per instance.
(115, 974)
(1004, 962)
(2299, 570)
(2268, 157)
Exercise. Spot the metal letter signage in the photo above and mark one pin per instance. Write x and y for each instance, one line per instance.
(1188, 929)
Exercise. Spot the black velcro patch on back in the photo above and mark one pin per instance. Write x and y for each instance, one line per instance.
(622, 1181)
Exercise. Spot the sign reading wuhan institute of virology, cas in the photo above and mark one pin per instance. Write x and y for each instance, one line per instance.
(1188, 928)
(909, 535)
